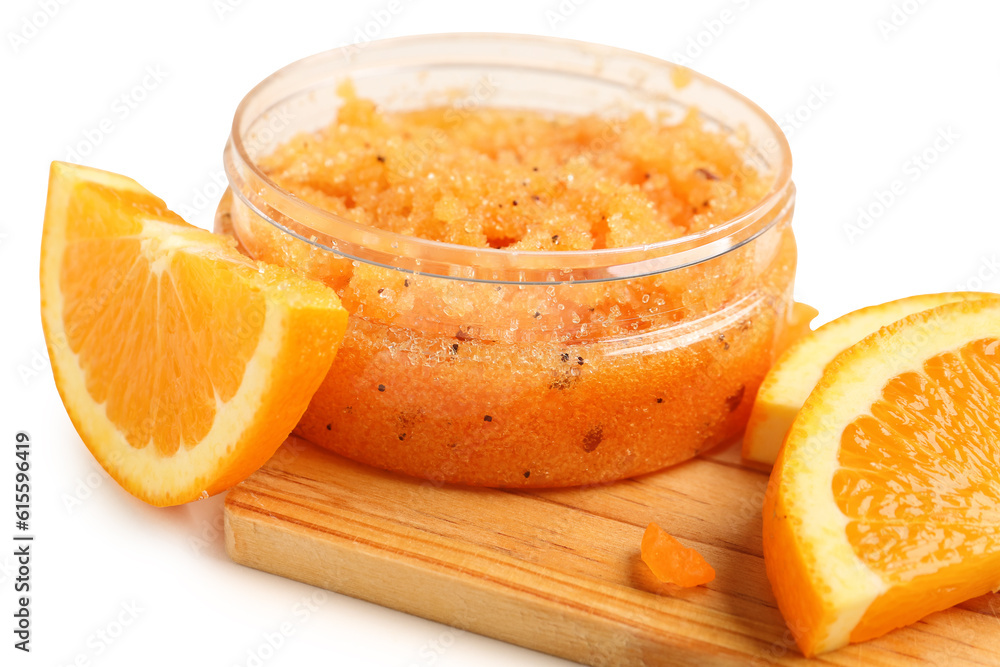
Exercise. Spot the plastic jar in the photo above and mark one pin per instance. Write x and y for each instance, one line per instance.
(499, 368)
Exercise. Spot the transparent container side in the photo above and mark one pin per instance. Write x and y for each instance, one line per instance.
(493, 368)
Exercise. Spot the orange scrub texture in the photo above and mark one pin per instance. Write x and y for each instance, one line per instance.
(506, 384)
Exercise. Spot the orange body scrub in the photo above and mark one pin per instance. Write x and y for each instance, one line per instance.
(518, 179)
(537, 298)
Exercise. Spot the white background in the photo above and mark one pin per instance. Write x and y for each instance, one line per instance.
(884, 93)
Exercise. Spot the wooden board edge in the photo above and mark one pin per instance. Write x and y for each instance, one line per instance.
(506, 612)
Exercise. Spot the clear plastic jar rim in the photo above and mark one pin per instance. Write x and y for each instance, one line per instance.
(347, 238)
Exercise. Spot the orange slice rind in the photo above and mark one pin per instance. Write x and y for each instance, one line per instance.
(789, 381)
(182, 364)
(884, 503)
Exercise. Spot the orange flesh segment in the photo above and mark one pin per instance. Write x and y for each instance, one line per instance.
(671, 561)
(182, 364)
(925, 515)
(198, 368)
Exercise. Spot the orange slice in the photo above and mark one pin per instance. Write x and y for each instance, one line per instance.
(182, 364)
(671, 561)
(884, 503)
(799, 368)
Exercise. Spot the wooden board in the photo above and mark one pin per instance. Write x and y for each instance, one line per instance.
(558, 570)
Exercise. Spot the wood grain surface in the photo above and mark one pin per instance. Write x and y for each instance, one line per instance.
(559, 570)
